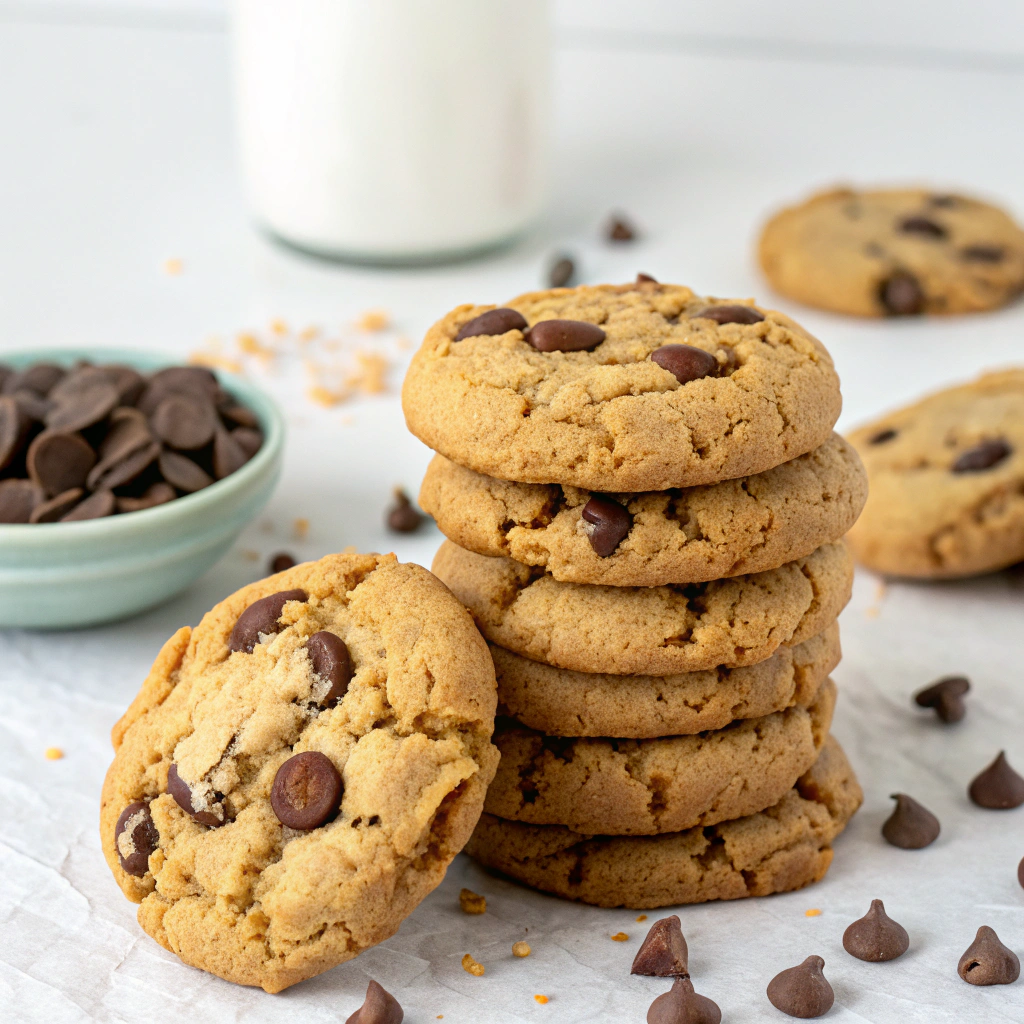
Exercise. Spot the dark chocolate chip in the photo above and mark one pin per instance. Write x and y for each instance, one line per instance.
(129, 382)
(59, 461)
(729, 315)
(239, 415)
(564, 336)
(611, 522)
(128, 432)
(685, 362)
(281, 561)
(248, 440)
(987, 961)
(802, 991)
(74, 383)
(620, 230)
(379, 1007)
(19, 499)
(946, 696)
(135, 838)
(184, 422)
(998, 787)
(32, 405)
(983, 253)
(40, 378)
(91, 403)
(402, 516)
(646, 279)
(982, 456)
(55, 509)
(115, 472)
(923, 226)
(876, 937)
(155, 494)
(1020, 872)
(261, 617)
(186, 380)
(228, 455)
(663, 953)
(5, 373)
(910, 826)
(561, 272)
(681, 1005)
(213, 815)
(901, 295)
(882, 436)
(493, 322)
(14, 426)
(96, 506)
(181, 472)
(332, 664)
(307, 791)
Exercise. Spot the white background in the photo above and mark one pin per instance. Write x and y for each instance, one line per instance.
(695, 118)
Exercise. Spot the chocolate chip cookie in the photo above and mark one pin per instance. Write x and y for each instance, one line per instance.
(644, 540)
(564, 703)
(626, 388)
(947, 482)
(297, 772)
(783, 848)
(894, 252)
(656, 631)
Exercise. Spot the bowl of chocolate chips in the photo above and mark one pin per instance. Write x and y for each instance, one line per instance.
(123, 477)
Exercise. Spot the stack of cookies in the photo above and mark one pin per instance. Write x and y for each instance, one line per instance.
(644, 501)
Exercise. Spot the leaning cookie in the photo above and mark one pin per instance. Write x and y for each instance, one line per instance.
(894, 253)
(298, 771)
(620, 388)
(780, 849)
(655, 631)
(645, 540)
(946, 482)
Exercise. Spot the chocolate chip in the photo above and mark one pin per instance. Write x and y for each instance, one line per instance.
(646, 279)
(998, 787)
(182, 472)
(39, 378)
(663, 953)
(493, 322)
(729, 315)
(685, 362)
(14, 426)
(261, 617)
(882, 436)
(129, 382)
(1020, 872)
(307, 791)
(59, 461)
(32, 405)
(983, 253)
(332, 665)
(185, 380)
(82, 409)
(184, 422)
(681, 1005)
(228, 455)
(18, 500)
(987, 961)
(611, 522)
(561, 272)
(620, 230)
(982, 456)
(212, 815)
(155, 494)
(76, 381)
(876, 937)
(379, 1007)
(402, 516)
(281, 561)
(901, 295)
(250, 441)
(239, 415)
(128, 432)
(135, 838)
(96, 506)
(946, 696)
(564, 336)
(55, 509)
(910, 826)
(802, 991)
(117, 471)
(922, 226)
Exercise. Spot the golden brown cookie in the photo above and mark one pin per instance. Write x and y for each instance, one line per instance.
(947, 482)
(297, 772)
(894, 252)
(646, 787)
(678, 536)
(656, 631)
(611, 415)
(564, 703)
(780, 849)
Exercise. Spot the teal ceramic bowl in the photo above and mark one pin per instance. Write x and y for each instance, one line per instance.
(64, 575)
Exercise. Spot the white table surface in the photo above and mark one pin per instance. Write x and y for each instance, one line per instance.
(117, 156)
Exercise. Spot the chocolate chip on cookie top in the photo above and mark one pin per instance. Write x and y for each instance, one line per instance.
(261, 618)
(135, 837)
(307, 791)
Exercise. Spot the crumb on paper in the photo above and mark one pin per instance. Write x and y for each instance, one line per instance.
(309, 333)
(404, 343)
(212, 361)
(470, 966)
(642, 917)
(300, 527)
(880, 590)
(521, 949)
(173, 266)
(249, 555)
(373, 320)
(541, 999)
(471, 902)
(813, 912)
(278, 326)
(53, 753)
(251, 345)
(872, 612)
(369, 377)
(619, 937)
(324, 396)
(347, 421)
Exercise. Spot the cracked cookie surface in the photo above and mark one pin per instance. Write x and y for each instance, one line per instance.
(779, 849)
(678, 536)
(565, 703)
(612, 419)
(648, 630)
(252, 900)
(946, 482)
(894, 252)
(646, 787)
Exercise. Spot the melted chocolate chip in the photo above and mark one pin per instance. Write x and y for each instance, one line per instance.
(663, 953)
(910, 826)
(998, 787)
(179, 789)
(730, 315)
(987, 961)
(493, 322)
(882, 436)
(876, 937)
(402, 516)
(332, 663)
(261, 618)
(307, 791)
(564, 336)
(802, 991)
(923, 226)
(901, 294)
(380, 1007)
(611, 522)
(982, 456)
(135, 838)
(983, 253)
(280, 562)
(561, 272)
(59, 461)
(685, 362)
(681, 1005)
(946, 696)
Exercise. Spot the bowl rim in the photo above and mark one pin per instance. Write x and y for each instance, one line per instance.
(144, 520)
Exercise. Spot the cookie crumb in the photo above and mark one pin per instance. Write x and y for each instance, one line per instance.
(251, 345)
(309, 333)
(173, 267)
(813, 912)
(278, 326)
(53, 753)
(373, 320)
(324, 396)
(370, 376)
(470, 966)
(471, 902)
(521, 949)
(642, 917)
(300, 527)
(880, 590)
(541, 999)
(619, 937)
(873, 612)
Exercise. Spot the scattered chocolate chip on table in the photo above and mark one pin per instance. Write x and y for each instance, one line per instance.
(910, 826)
(681, 1005)
(946, 697)
(998, 787)
(987, 961)
(403, 516)
(876, 937)
(380, 1007)
(663, 953)
(802, 991)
